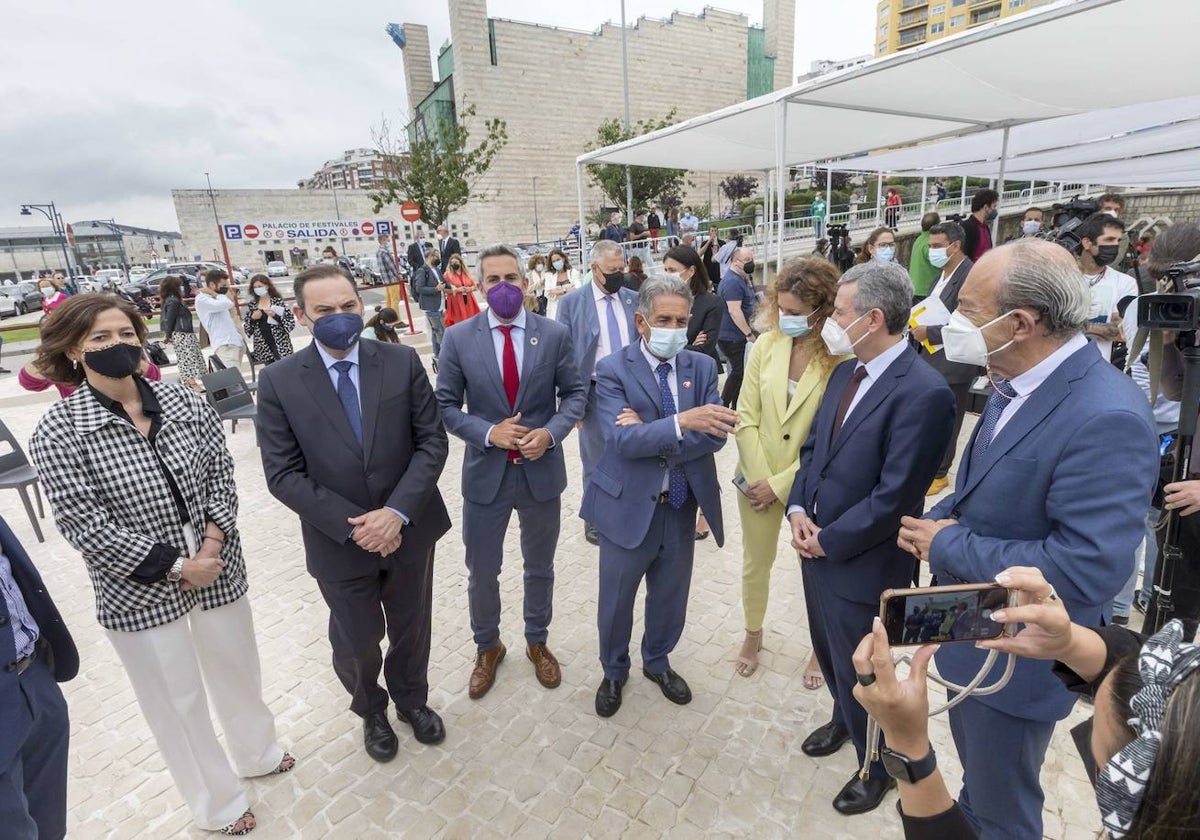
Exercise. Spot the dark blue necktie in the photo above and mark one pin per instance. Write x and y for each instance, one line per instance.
(348, 395)
(677, 487)
(1001, 396)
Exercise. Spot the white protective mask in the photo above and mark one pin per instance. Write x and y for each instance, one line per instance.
(885, 253)
(837, 339)
(1031, 227)
(938, 257)
(964, 342)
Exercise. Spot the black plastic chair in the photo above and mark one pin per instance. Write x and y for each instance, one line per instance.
(16, 472)
(227, 392)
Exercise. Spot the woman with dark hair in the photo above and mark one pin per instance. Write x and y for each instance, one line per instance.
(1145, 741)
(559, 279)
(382, 326)
(176, 324)
(268, 321)
(636, 276)
(141, 484)
(460, 292)
(880, 245)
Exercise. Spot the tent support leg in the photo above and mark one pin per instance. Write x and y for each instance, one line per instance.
(924, 192)
(879, 200)
(582, 220)
(780, 174)
(1000, 180)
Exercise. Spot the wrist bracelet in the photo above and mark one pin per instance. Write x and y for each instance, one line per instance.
(214, 539)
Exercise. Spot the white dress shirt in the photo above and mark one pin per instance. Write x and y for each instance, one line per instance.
(604, 347)
(216, 314)
(875, 369)
(329, 362)
(518, 339)
(1026, 383)
(673, 386)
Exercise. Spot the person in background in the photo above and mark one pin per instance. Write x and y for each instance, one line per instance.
(785, 380)
(654, 223)
(448, 246)
(708, 253)
(1101, 236)
(737, 291)
(636, 275)
(536, 276)
(37, 649)
(1114, 205)
(390, 272)
(688, 223)
(215, 304)
(175, 322)
(52, 294)
(163, 551)
(614, 231)
(383, 325)
(428, 286)
(639, 237)
(921, 271)
(893, 208)
(725, 256)
(418, 250)
(673, 231)
(819, 211)
(460, 292)
(880, 245)
(978, 226)
(560, 278)
(65, 284)
(1032, 221)
(329, 256)
(268, 322)
(821, 249)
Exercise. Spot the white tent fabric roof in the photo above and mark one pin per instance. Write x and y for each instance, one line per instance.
(1036, 66)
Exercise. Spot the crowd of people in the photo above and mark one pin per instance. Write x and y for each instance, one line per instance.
(844, 397)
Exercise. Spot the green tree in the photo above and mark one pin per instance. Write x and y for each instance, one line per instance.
(737, 187)
(839, 180)
(437, 169)
(649, 183)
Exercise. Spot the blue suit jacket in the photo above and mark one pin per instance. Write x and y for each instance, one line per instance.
(877, 470)
(550, 396)
(1047, 493)
(61, 656)
(577, 311)
(623, 489)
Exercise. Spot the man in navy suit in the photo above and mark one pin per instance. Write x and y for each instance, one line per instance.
(1036, 487)
(516, 372)
(36, 652)
(874, 446)
(599, 316)
(663, 420)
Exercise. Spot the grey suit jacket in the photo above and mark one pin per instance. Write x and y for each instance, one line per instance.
(955, 373)
(314, 465)
(577, 310)
(551, 396)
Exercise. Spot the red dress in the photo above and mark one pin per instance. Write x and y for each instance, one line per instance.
(459, 305)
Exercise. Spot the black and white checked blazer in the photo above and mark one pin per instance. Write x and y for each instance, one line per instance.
(111, 501)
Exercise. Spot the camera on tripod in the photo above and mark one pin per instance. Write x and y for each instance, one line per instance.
(1067, 217)
(836, 234)
(1178, 311)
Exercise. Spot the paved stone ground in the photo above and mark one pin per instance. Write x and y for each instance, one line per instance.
(523, 762)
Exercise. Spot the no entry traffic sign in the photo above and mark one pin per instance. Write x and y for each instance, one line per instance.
(410, 211)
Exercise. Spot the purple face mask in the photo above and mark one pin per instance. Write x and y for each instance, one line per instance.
(506, 299)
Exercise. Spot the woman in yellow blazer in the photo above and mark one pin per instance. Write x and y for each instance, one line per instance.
(784, 382)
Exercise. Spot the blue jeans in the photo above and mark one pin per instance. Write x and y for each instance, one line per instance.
(437, 328)
(1147, 558)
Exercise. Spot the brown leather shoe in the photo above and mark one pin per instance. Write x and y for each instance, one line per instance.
(485, 671)
(544, 665)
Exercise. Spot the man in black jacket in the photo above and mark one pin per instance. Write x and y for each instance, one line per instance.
(447, 245)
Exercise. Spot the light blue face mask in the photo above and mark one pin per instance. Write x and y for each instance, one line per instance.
(666, 342)
(885, 253)
(794, 326)
(938, 257)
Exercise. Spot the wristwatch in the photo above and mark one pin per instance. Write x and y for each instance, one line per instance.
(176, 571)
(904, 769)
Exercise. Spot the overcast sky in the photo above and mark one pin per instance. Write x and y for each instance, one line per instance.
(107, 106)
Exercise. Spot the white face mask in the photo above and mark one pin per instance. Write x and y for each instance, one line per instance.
(938, 257)
(837, 338)
(885, 253)
(1030, 227)
(964, 342)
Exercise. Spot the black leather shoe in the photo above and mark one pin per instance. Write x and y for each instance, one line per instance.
(858, 797)
(379, 738)
(426, 724)
(673, 686)
(608, 697)
(825, 741)
(591, 534)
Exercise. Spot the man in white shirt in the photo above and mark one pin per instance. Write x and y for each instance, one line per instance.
(215, 307)
(1101, 235)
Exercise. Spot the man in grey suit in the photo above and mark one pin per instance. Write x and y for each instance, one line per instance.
(663, 419)
(599, 316)
(517, 373)
(352, 441)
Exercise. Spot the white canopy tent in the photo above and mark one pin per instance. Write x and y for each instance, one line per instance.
(1022, 69)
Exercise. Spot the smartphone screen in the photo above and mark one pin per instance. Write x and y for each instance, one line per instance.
(739, 481)
(936, 615)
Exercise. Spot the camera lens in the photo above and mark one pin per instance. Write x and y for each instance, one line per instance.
(1175, 312)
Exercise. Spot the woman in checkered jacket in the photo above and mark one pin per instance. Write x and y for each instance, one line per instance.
(141, 483)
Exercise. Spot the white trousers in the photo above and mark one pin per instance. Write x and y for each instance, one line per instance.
(170, 667)
(230, 354)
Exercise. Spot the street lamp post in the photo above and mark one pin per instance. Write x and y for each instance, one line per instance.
(60, 231)
(625, 87)
(212, 197)
(111, 224)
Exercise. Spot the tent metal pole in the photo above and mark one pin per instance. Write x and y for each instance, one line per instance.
(828, 194)
(1000, 181)
(924, 192)
(962, 203)
(582, 220)
(767, 210)
(780, 171)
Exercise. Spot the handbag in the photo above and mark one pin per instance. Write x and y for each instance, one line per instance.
(156, 354)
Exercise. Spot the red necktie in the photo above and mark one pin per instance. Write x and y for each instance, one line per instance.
(512, 376)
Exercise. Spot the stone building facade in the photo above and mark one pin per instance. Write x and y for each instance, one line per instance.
(554, 87)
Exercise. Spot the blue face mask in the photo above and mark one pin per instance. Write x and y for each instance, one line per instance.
(938, 257)
(665, 342)
(794, 326)
(885, 253)
(338, 331)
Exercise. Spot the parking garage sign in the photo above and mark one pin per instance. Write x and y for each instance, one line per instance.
(271, 231)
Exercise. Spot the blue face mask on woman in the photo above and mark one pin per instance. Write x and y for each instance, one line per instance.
(794, 326)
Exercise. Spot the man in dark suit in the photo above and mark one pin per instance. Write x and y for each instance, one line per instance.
(1036, 487)
(36, 652)
(874, 445)
(663, 420)
(946, 252)
(447, 245)
(418, 250)
(352, 440)
(521, 408)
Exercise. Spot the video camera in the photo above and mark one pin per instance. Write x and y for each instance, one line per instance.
(1067, 217)
(1178, 311)
(836, 233)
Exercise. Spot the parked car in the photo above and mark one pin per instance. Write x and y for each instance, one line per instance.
(138, 272)
(277, 268)
(25, 296)
(367, 271)
(109, 278)
(8, 306)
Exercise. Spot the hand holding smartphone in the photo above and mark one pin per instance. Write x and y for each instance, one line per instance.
(941, 614)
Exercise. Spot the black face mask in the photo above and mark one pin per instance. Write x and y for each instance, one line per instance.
(1106, 254)
(116, 362)
(223, 290)
(613, 282)
(748, 267)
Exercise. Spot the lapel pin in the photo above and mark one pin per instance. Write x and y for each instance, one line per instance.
(533, 341)
(687, 383)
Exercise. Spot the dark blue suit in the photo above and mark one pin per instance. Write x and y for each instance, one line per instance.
(33, 726)
(856, 487)
(639, 537)
(1045, 494)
